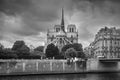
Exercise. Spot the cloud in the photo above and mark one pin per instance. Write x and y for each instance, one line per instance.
(91, 15)
(26, 19)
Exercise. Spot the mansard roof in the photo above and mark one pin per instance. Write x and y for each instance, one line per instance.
(108, 30)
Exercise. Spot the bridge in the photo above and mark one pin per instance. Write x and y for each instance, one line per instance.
(110, 60)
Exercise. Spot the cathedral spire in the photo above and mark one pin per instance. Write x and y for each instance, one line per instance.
(62, 21)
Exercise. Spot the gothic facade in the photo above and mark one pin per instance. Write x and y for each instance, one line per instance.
(59, 36)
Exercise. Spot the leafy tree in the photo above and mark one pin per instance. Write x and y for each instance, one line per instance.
(81, 54)
(66, 47)
(17, 45)
(36, 55)
(24, 49)
(1, 48)
(71, 53)
(21, 49)
(77, 47)
(52, 51)
(39, 48)
(8, 54)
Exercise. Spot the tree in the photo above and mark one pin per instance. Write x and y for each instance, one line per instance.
(8, 54)
(1, 48)
(24, 49)
(66, 47)
(17, 45)
(51, 51)
(21, 49)
(77, 47)
(39, 48)
(37, 55)
(71, 53)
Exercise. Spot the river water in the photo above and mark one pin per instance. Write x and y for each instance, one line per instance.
(105, 76)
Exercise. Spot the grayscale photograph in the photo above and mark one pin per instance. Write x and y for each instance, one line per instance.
(59, 39)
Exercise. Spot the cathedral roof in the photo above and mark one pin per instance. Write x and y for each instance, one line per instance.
(61, 33)
(60, 42)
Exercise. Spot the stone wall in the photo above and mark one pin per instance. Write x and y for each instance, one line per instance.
(20, 67)
(40, 66)
(97, 66)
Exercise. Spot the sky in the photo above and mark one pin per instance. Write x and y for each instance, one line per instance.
(29, 20)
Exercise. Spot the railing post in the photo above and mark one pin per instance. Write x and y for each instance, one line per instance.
(37, 66)
(50, 65)
(23, 66)
(63, 66)
(8, 67)
(75, 67)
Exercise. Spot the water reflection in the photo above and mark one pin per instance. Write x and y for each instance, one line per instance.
(105, 76)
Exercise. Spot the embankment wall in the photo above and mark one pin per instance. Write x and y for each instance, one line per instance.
(22, 67)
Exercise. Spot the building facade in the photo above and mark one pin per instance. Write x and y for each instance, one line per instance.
(59, 36)
(107, 43)
(89, 51)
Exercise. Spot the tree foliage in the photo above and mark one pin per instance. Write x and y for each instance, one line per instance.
(78, 47)
(51, 51)
(37, 55)
(21, 49)
(71, 53)
(39, 48)
(8, 54)
(1, 48)
(17, 45)
(75, 46)
(66, 47)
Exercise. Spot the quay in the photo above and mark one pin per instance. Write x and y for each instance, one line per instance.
(30, 67)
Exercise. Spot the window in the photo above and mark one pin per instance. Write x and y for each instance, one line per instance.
(57, 29)
(71, 36)
(60, 40)
(72, 29)
(72, 41)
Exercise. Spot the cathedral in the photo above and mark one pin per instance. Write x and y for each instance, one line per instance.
(61, 36)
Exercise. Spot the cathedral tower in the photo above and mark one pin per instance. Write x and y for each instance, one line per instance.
(59, 37)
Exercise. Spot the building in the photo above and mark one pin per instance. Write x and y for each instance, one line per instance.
(107, 43)
(89, 51)
(59, 36)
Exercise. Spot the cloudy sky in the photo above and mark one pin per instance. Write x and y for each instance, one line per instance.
(29, 20)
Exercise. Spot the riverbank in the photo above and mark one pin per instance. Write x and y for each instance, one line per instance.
(41, 67)
(58, 73)
(103, 76)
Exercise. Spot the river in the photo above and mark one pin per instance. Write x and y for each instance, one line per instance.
(105, 76)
